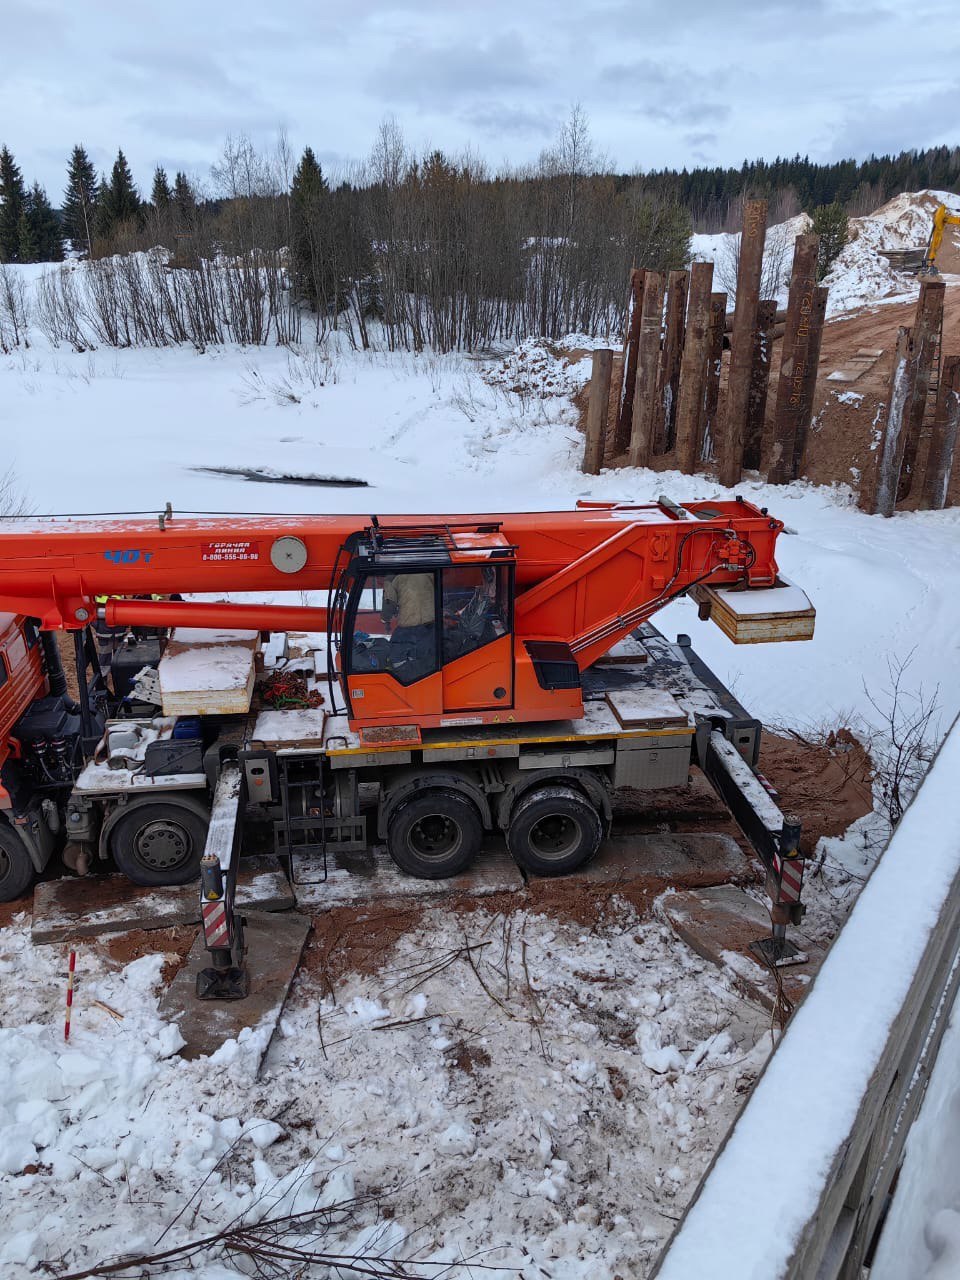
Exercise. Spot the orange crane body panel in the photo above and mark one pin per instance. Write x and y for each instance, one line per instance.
(583, 578)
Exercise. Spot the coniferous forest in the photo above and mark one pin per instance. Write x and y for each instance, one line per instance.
(444, 251)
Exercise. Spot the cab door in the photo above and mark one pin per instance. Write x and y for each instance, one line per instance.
(477, 638)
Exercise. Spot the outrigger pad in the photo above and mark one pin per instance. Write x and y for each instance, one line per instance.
(778, 952)
(223, 984)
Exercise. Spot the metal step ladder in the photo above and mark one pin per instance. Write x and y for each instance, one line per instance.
(300, 835)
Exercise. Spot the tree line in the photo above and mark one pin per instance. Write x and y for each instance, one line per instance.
(437, 249)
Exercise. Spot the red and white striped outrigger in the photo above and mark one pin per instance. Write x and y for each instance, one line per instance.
(227, 977)
(775, 838)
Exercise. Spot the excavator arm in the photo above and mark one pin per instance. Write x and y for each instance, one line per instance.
(942, 218)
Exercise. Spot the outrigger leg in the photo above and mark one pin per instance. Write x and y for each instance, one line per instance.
(775, 838)
(227, 977)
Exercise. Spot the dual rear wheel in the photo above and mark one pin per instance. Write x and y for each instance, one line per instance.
(437, 833)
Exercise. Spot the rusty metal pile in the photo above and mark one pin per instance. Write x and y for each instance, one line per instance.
(666, 406)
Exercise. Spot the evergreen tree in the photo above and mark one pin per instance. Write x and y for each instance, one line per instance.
(79, 201)
(313, 273)
(12, 200)
(40, 237)
(161, 194)
(830, 224)
(184, 199)
(119, 201)
(27, 240)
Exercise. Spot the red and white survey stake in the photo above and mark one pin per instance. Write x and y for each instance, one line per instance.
(70, 972)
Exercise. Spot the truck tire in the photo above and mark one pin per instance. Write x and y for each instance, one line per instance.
(160, 842)
(435, 834)
(16, 869)
(553, 830)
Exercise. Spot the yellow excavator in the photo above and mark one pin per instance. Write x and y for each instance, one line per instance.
(941, 219)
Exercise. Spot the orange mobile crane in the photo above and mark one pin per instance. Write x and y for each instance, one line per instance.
(466, 679)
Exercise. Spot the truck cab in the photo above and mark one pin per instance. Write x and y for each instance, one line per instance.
(33, 725)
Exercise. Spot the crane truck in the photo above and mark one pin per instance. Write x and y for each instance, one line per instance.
(492, 673)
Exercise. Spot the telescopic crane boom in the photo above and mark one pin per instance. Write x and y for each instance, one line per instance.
(561, 589)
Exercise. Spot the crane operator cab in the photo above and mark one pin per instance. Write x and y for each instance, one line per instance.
(423, 625)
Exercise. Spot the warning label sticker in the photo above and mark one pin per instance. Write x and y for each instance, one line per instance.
(220, 551)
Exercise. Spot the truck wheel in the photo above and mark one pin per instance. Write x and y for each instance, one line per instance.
(159, 843)
(435, 834)
(16, 869)
(553, 830)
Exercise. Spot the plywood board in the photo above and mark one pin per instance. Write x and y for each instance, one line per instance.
(719, 923)
(646, 708)
(208, 672)
(761, 616)
(290, 728)
(373, 876)
(274, 945)
(89, 906)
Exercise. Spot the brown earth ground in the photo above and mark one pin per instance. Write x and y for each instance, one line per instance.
(826, 785)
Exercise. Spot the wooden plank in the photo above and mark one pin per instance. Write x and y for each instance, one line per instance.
(208, 672)
(777, 451)
(646, 708)
(779, 613)
(90, 906)
(734, 421)
(644, 402)
(661, 861)
(805, 416)
(707, 446)
(943, 438)
(926, 336)
(668, 379)
(597, 407)
(890, 453)
(621, 439)
(274, 945)
(693, 367)
(759, 381)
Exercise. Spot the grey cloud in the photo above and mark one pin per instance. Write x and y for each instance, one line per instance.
(922, 121)
(439, 76)
(498, 118)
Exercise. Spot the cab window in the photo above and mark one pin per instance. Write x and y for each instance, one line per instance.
(395, 626)
(476, 608)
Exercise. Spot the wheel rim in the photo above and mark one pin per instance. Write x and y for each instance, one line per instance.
(435, 835)
(163, 846)
(554, 836)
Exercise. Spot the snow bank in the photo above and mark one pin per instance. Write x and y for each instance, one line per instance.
(751, 1210)
(921, 1237)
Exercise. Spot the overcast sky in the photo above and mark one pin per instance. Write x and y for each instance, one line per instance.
(663, 82)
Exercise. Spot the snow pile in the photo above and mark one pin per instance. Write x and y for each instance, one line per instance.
(514, 1090)
(539, 368)
(861, 274)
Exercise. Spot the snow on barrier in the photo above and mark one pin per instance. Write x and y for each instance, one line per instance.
(799, 1187)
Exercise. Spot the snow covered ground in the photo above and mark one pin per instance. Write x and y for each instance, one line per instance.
(546, 1099)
